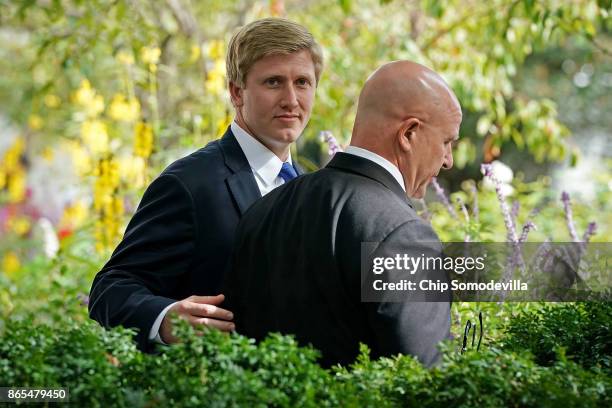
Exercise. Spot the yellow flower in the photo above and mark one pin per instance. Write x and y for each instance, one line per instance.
(19, 225)
(84, 94)
(74, 215)
(150, 55)
(107, 180)
(95, 107)
(95, 136)
(10, 263)
(109, 207)
(125, 57)
(79, 155)
(117, 207)
(87, 98)
(35, 122)
(17, 186)
(12, 172)
(143, 140)
(12, 156)
(52, 101)
(215, 80)
(215, 49)
(47, 154)
(133, 170)
(122, 109)
(195, 53)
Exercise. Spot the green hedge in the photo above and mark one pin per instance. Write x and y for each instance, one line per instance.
(583, 332)
(556, 356)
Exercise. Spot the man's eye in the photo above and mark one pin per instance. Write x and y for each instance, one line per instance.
(303, 82)
(272, 81)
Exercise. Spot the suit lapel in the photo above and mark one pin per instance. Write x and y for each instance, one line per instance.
(367, 168)
(241, 184)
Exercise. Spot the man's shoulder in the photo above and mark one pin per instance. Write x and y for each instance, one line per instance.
(368, 194)
(203, 159)
(203, 169)
(349, 194)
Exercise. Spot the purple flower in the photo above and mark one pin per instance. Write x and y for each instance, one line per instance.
(516, 206)
(526, 228)
(440, 193)
(475, 209)
(464, 211)
(569, 217)
(332, 143)
(83, 298)
(590, 231)
(487, 170)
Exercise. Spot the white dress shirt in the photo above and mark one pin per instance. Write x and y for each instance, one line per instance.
(265, 165)
(386, 164)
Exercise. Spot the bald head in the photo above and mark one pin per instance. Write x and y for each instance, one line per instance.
(403, 107)
(398, 90)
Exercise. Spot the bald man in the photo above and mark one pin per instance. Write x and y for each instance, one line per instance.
(296, 267)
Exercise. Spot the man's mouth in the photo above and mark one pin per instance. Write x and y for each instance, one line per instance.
(288, 117)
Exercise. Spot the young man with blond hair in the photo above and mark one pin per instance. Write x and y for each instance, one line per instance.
(177, 245)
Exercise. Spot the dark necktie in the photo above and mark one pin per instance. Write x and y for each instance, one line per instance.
(287, 172)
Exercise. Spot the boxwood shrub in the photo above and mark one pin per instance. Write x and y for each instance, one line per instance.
(551, 357)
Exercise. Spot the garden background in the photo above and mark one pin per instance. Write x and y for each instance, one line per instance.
(97, 97)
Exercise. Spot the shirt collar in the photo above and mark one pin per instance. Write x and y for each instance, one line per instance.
(386, 164)
(266, 164)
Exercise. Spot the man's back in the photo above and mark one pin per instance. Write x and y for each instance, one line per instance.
(296, 268)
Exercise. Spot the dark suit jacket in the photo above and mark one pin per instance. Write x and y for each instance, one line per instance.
(179, 240)
(296, 265)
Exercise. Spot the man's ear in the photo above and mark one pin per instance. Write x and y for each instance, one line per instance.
(407, 132)
(235, 94)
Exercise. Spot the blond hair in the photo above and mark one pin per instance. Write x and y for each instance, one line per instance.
(268, 36)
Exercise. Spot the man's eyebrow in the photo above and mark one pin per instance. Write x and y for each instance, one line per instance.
(278, 77)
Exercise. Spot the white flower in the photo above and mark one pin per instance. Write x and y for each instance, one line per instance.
(504, 175)
(49, 237)
(502, 172)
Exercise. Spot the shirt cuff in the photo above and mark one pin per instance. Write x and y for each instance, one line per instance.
(154, 333)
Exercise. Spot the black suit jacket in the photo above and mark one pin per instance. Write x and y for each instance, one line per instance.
(296, 265)
(179, 240)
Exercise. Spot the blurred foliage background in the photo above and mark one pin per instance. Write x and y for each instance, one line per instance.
(97, 97)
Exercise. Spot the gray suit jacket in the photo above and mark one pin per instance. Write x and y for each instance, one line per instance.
(296, 267)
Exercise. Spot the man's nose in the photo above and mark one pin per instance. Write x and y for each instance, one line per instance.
(448, 159)
(290, 98)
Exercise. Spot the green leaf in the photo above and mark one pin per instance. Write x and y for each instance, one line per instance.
(346, 5)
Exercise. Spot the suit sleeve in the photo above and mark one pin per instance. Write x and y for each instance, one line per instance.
(137, 283)
(409, 322)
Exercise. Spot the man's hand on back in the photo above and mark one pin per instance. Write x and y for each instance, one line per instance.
(198, 311)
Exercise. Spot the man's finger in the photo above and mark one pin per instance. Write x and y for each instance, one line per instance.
(206, 310)
(218, 324)
(209, 300)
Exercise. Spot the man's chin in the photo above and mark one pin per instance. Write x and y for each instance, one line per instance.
(287, 135)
